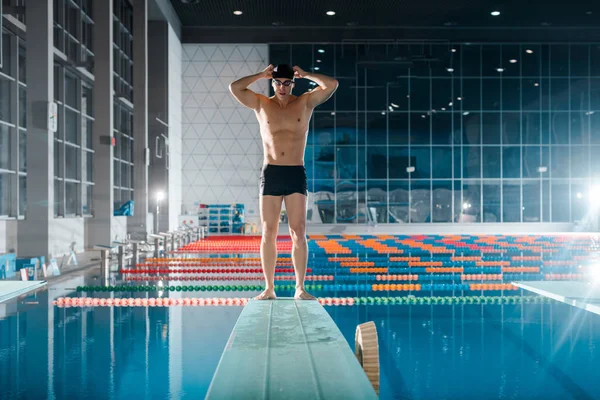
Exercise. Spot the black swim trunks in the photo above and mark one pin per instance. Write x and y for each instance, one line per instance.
(283, 180)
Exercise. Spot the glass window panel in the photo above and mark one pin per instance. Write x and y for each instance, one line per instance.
(491, 162)
(71, 97)
(87, 98)
(324, 162)
(560, 128)
(595, 59)
(376, 132)
(420, 201)
(580, 128)
(531, 161)
(399, 161)
(511, 128)
(492, 128)
(531, 63)
(546, 200)
(22, 195)
(71, 198)
(580, 94)
(442, 94)
(559, 94)
(281, 53)
(511, 201)
(398, 201)
(325, 53)
(346, 56)
(125, 148)
(458, 162)
(346, 162)
(491, 201)
(88, 132)
(125, 176)
(511, 162)
(377, 200)
(531, 126)
(471, 128)
(5, 194)
(398, 123)
(5, 100)
(441, 199)
(377, 162)
(58, 146)
(595, 162)
(421, 160)
(71, 126)
(441, 132)
(559, 60)
(511, 70)
(420, 127)
(492, 93)
(22, 107)
(7, 54)
(442, 162)
(471, 98)
(511, 94)
(346, 202)
(595, 128)
(116, 172)
(420, 94)
(471, 60)
(22, 65)
(399, 94)
(471, 158)
(580, 158)
(324, 201)
(71, 162)
(531, 201)
(22, 151)
(594, 94)
(546, 130)
(491, 60)
(346, 94)
(324, 129)
(58, 197)
(580, 201)
(345, 128)
(375, 98)
(471, 201)
(5, 147)
(559, 162)
(560, 201)
(532, 92)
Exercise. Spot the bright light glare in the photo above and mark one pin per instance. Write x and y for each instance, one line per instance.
(159, 195)
(466, 205)
(330, 13)
(495, 13)
(595, 195)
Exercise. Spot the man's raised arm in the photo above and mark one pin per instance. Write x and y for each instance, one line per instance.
(245, 96)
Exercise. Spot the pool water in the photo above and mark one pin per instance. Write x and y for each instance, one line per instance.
(529, 351)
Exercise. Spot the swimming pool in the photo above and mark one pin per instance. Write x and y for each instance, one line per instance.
(427, 351)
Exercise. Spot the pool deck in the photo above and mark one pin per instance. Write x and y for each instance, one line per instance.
(577, 294)
(12, 289)
(288, 349)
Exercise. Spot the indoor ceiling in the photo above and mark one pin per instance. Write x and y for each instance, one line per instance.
(372, 13)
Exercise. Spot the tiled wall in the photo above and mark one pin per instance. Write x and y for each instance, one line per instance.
(222, 150)
(175, 96)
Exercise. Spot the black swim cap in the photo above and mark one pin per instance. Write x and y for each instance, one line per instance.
(283, 71)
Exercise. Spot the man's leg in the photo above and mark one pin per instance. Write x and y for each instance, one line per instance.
(295, 205)
(270, 208)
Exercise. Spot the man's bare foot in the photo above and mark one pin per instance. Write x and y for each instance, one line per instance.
(268, 294)
(302, 294)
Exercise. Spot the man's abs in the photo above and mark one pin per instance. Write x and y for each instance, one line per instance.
(284, 147)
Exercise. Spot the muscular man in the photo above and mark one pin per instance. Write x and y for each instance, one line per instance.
(283, 120)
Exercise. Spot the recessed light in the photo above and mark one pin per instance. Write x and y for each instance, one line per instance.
(529, 51)
(318, 61)
(495, 13)
(333, 113)
(330, 13)
(423, 116)
(500, 69)
(466, 113)
(450, 69)
(321, 51)
(383, 113)
(454, 50)
(513, 61)
(238, 12)
(536, 84)
(316, 68)
(459, 98)
(451, 104)
(443, 109)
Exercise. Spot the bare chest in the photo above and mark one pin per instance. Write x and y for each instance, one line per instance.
(292, 118)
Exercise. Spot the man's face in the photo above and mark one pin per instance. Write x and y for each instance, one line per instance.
(282, 86)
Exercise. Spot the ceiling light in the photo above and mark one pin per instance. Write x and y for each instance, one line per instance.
(383, 113)
(459, 98)
(500, 69)
(450, 69)
(333, 113)
(330, 13)
(423, 116)
(466, 113)
(321, 51)
(513, 61)
(454, 50)
(237, 12)
(536, 84)
(391, 109)
(395, 105)
(495, 13)
(529, 51)
(443, 109)
(318, 61)
(451, 104)
(316, 68)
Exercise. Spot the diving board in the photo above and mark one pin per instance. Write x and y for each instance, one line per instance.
(288, 349)
(578, 294)
(12, 289)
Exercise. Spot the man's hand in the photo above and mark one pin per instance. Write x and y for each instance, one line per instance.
(299, 72)
(267, 73)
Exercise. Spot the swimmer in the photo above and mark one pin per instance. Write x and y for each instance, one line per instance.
(283, 120)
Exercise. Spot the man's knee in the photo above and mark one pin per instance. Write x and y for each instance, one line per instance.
(298, 232)
(269, 232)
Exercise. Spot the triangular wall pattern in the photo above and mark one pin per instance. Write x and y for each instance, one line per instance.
(222, 149)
